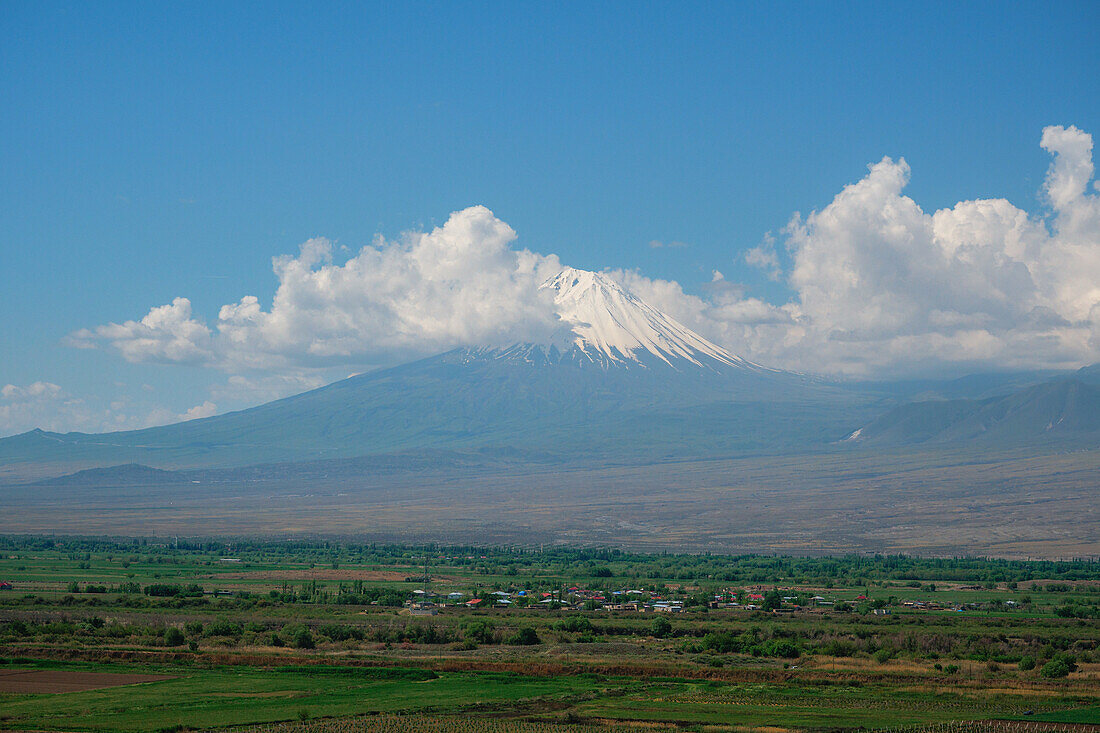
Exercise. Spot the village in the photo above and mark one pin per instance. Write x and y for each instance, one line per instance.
(674, 600)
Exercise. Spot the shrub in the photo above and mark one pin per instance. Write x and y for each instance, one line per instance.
(1054, 669)
(479, 631)
(882, 656)
(173, 636)
(1027, 663)
(661, 627)
(575, 623)
(838, 648)
(524, 637)
(303, 639)
(782, 649)
(722, 641)
(223, 628)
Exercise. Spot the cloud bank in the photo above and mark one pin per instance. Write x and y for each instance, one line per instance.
(878, 287)
(48, 406)
(461, 283)
(882, 287)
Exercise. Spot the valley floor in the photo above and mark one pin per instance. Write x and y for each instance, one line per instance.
(931, 503)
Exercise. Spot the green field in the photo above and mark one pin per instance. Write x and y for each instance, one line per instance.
(320, 636)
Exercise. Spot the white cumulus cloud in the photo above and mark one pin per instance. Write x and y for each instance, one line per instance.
(461, 283)
(878, 286)
(881, 286)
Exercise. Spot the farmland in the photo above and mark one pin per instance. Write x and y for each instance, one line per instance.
(166, 634)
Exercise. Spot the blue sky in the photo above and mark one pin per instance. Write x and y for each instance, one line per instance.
(151, 151)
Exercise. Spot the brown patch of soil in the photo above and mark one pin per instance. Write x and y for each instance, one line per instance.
(35, 681)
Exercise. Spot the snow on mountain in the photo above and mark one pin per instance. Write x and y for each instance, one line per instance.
(613, 325)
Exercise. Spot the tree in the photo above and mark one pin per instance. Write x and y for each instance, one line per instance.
(303, 639)
(1054, 669)
(478, 630)
(173, 636)
(525, 636)
(772, 600)
(661, 627)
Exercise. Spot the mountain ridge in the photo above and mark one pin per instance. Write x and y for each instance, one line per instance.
(1064, 409)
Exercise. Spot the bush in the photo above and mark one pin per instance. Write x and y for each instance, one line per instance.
(341, 632)
(781, 649)
(478, 630)
(173, 636)
(838, 648)
(661, 627)
(524, 637)
(303, 639)
(223, 628)
(1027, 663)
(575, 623)
(882, 656)
(1054, 669)
(722, 642)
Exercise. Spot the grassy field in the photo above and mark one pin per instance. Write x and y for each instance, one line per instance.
(320, 636)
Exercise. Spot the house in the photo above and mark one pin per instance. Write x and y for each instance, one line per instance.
(5, 585)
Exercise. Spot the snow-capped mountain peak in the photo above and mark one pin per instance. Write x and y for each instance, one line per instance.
(609, 322)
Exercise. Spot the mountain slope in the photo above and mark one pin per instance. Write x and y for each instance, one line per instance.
(633, 384)
(1065, 410)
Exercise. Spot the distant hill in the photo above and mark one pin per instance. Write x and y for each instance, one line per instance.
(130, 474)
(1064, 411)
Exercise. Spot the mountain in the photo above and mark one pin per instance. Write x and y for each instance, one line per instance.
(611, 326)
(1065, 411)
(629, 383)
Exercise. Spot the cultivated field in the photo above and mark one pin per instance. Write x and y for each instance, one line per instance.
(153, 635)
